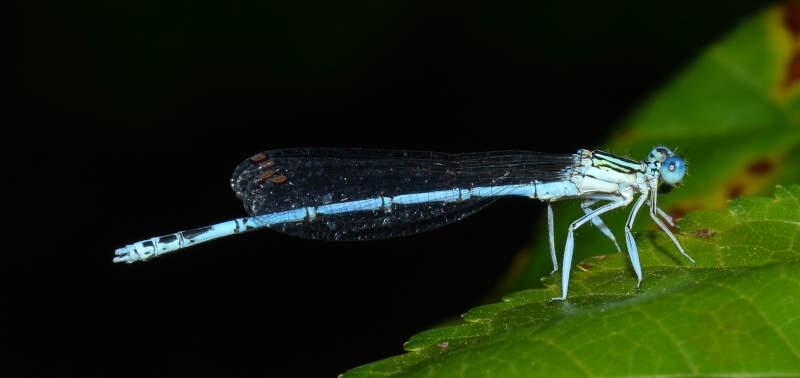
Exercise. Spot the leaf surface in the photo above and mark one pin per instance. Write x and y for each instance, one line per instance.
(734, 112)
(737, 312)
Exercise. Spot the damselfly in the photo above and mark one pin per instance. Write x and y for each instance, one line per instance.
(360, 194)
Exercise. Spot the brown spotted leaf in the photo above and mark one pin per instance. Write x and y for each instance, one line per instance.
(734, 112)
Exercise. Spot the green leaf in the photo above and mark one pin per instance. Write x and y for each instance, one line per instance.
(736, 313)
(736, 109)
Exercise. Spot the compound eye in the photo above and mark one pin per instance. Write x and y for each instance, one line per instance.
(672, 170)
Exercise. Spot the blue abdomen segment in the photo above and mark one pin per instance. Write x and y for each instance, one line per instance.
(349, 220)
(159, 245)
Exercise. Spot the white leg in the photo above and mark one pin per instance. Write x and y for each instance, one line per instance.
(596, 220)
(663, 215)
(552, 237)
(653, 209)
(633, 251)
(568, 249)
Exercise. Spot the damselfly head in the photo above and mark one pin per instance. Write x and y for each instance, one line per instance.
(671, 167)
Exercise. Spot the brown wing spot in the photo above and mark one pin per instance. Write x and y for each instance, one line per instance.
(278, 179)
(257, 158)
(266, 175)
(267, 163)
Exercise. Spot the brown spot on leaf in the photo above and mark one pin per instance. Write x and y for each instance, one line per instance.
(600, 257)
(791, 18)
(760, 167)
(792, 71)
(735, 191)
(677, 213)
(703, 232)
(585, 264)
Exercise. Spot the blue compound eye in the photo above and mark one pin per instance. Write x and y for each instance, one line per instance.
(672, 170)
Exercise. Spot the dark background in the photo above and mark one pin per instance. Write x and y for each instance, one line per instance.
(127, 120)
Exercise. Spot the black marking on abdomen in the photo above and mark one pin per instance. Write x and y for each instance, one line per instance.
(247, 226)
(167, 239)
(191, 234)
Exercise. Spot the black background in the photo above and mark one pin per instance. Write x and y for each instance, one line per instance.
(127, 119)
